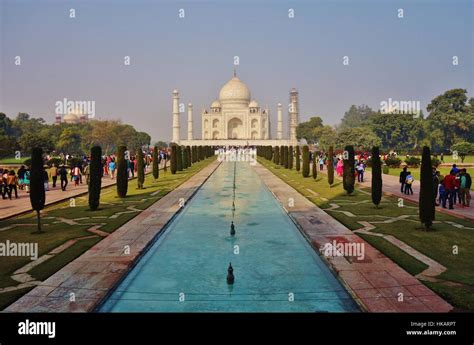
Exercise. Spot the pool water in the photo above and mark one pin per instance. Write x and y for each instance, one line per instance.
(275, 268)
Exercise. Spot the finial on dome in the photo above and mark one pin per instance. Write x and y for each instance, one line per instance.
(235, 72)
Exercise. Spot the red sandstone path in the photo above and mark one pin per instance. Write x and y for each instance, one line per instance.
(392, 186)
(10, 208)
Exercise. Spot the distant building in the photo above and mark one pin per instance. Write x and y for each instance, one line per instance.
(72, 118)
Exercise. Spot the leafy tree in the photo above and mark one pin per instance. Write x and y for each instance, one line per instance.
(70, 141)
(95, 177)
(376, 177)
(37, 193)
(305, 155)
(306, 129)
(398, 131)
(356, 116)
(426, 204)
(326, 136)
(462, 148)
(161, 144)
(122, 175)
(363, 136)
(28, 141)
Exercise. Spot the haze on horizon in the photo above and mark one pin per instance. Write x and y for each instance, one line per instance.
(82, 58)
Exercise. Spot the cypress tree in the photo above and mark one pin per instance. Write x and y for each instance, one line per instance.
(95, 177)
(426, 203)
(37, 193)
(282, 155)
(298, 160)
(314, 167)
(276, 158)
(305, 155)
(122, 175)
(179, 158)
(140, 169)
(156, 168)
(348, 179)
(285, 156)
(174, 158)
(331, 166)
(290, 157)
(190, 160)
(185, 157)
(376, 177)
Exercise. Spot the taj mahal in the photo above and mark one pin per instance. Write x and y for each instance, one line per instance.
(236, 119)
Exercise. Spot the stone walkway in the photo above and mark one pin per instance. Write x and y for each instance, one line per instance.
(84, 282)
(375, 282)
(10, 208)
(391, 186)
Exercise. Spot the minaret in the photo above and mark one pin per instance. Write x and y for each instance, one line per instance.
(176, 126)
(57, 119)
(190, 121)
(293, 115)
(279, 122)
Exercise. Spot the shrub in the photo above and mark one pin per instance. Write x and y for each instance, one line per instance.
(435, 161)
(276, 156)
(298, 161)
(290, 157)
(174, 158)
(282, 155)
(385, 169)
(285, 156)
(413, 161)
(314, 167)
(331, 166)
(179, 158)
(393, 162)
(140, 169)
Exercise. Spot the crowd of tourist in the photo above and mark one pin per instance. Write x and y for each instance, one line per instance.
(75, 170)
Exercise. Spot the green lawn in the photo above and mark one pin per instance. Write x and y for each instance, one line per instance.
(437, 244)
(57, 232)
(12, 160)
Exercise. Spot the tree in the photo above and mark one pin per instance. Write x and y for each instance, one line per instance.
(30, 140)
(276, 156)
(122, 175)
(140, 169)
(326, 136)
(331, 166)
(314, 167)
(376, 177)
(298, 162)
(356, 116)
(305, 155)
(282, 155)
(462, 149)
(348, 178)
(179, 158)
(37, 193)
(450, 119)
(306, 129)
(285, 156)
(190, 160)
(161, 144)
(174, 159)
(290, 157)
(363, 136)
(156, 168)
(70, 141)
(185, 157)
(426, 202)
(95, 177)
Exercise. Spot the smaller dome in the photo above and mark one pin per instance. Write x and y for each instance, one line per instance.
(71, 118)
(253, 104)
(216, 104)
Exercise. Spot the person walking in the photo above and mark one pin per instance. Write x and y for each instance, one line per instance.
(63, 177)
(26, 180)
(465, 183)
(321, 162)
(360, 171)
(21, 177)
(449, 183)
(12, 182)
(436, 179)
(112, 169)
(408, 183)
(403, 178)
(53, 172)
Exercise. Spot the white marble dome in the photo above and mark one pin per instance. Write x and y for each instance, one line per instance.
(253, 104)
(71, 118)
(234, 91)
(216, 104)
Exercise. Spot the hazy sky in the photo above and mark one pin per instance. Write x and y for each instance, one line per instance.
(83, 58)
